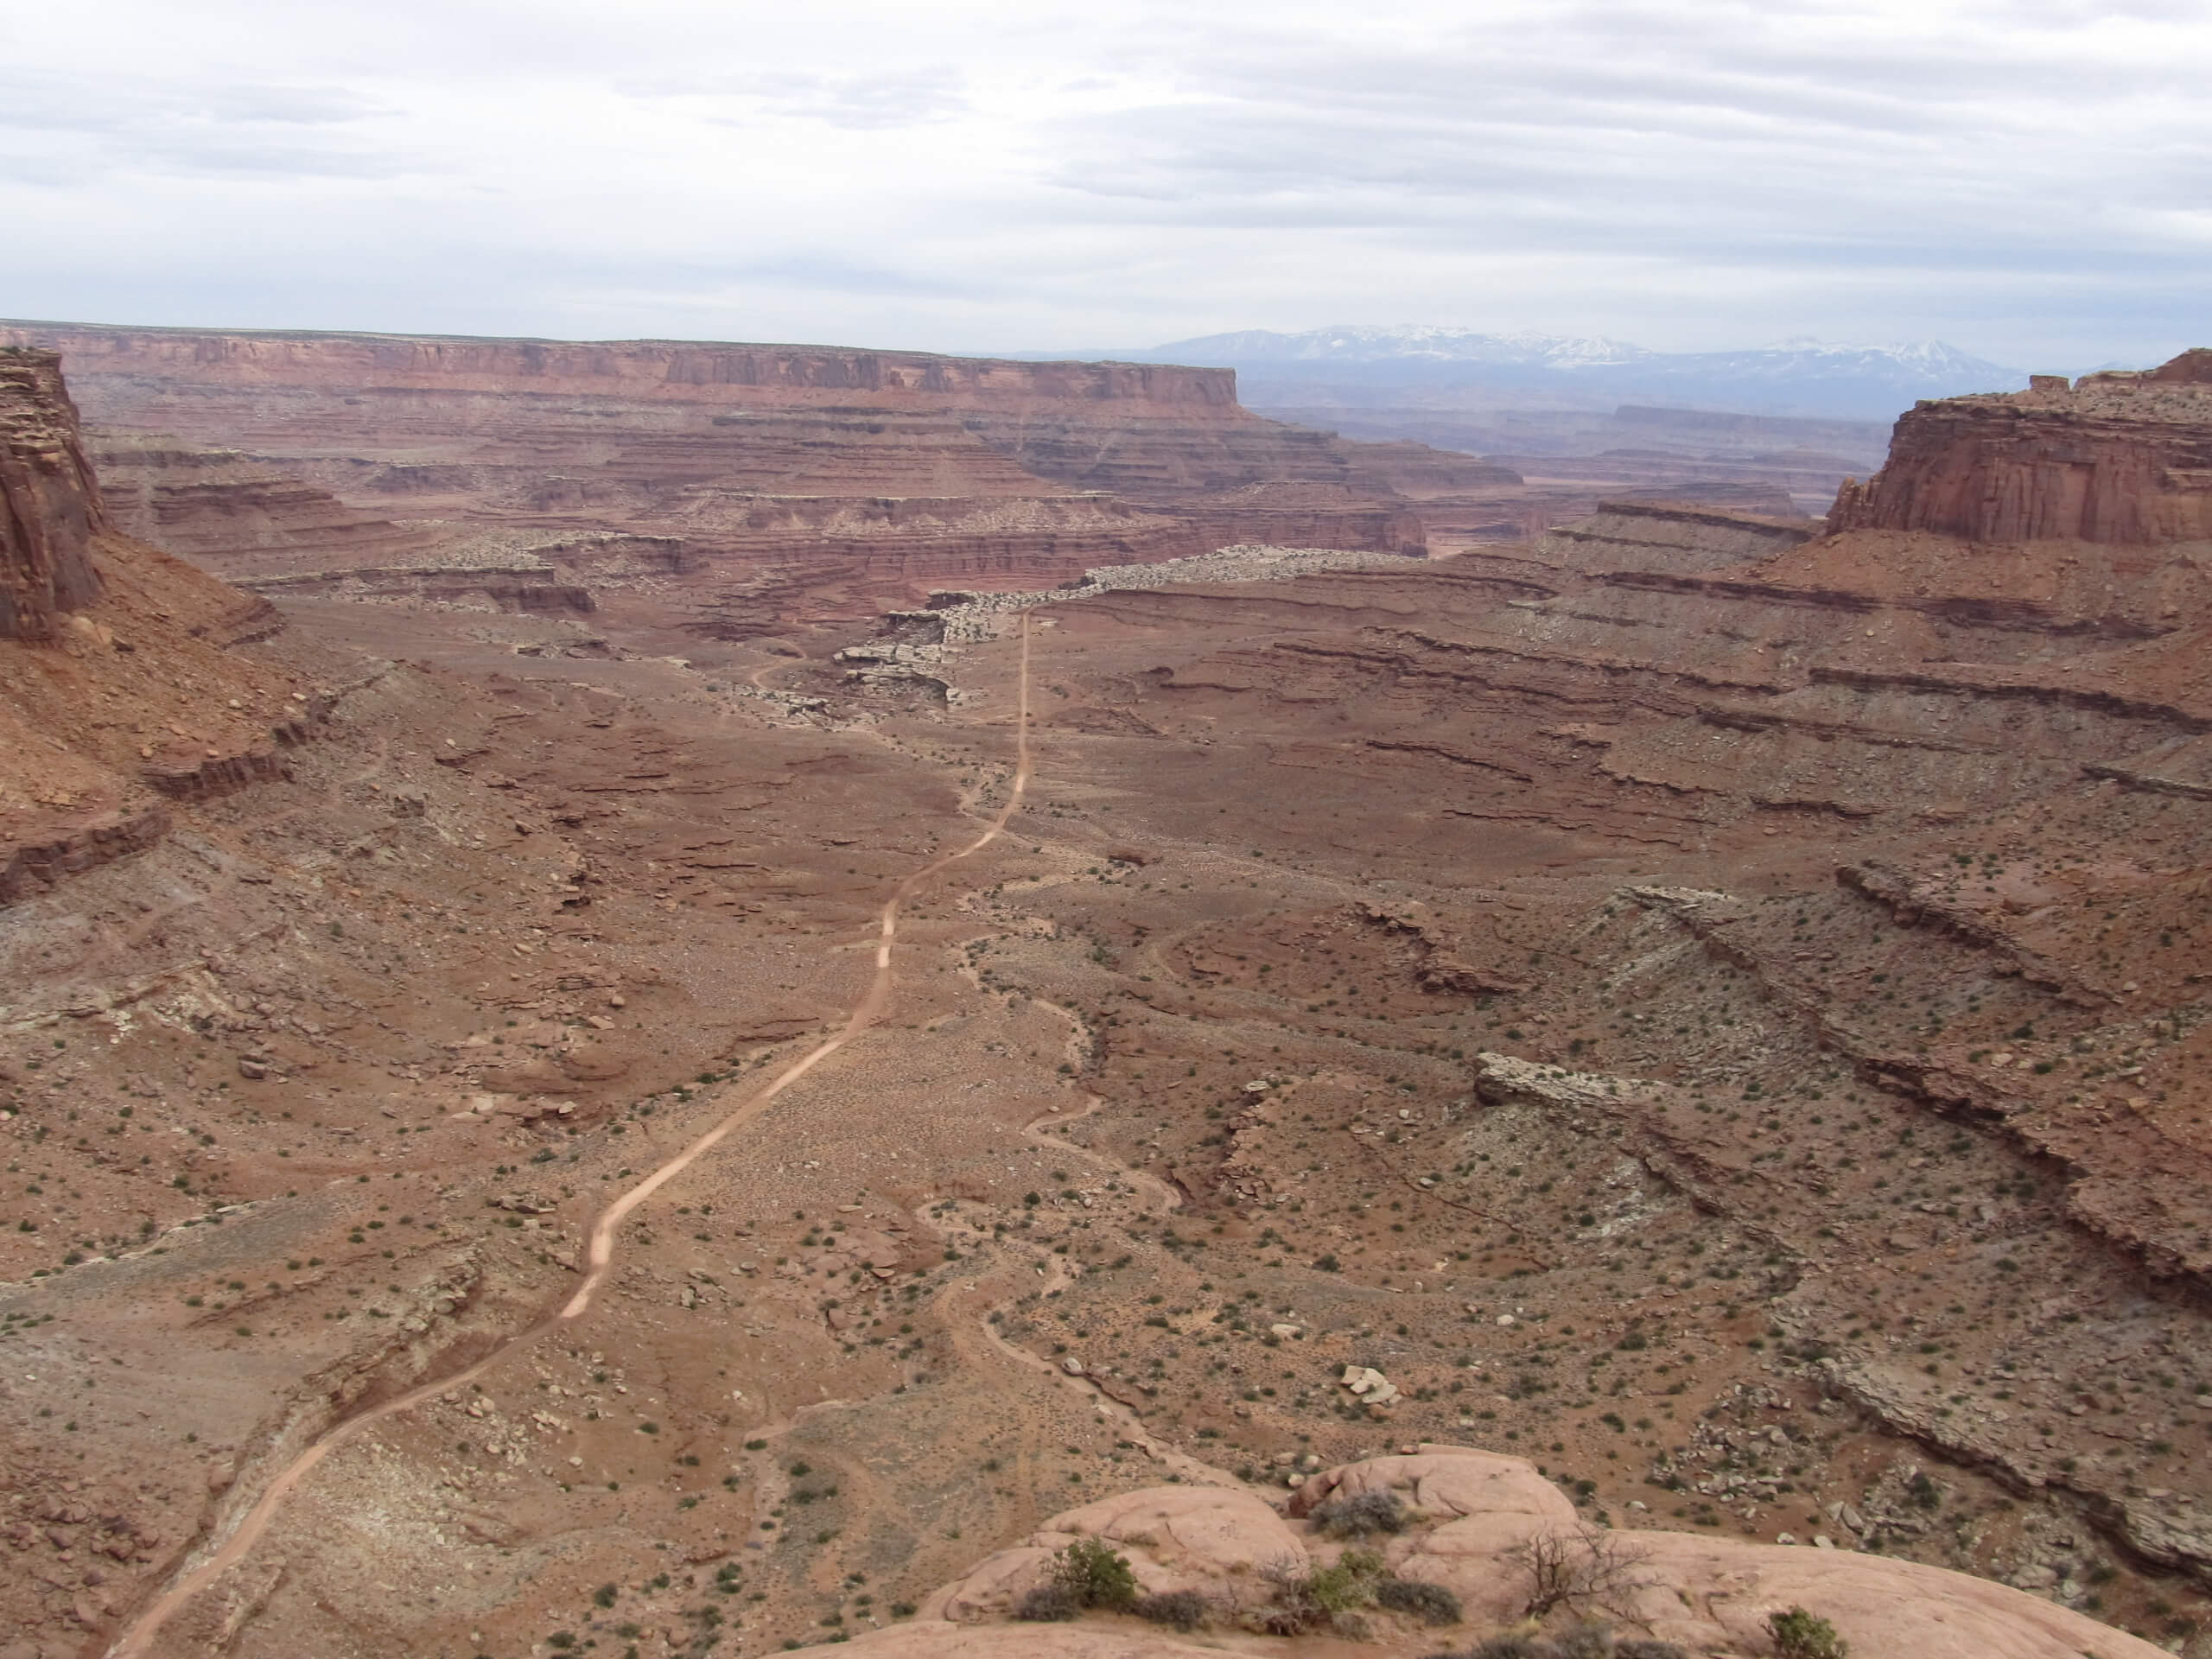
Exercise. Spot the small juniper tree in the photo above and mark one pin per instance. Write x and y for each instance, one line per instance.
(1094, 1574)
(1800, 1635)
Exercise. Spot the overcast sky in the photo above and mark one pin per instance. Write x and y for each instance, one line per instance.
(2028, 178)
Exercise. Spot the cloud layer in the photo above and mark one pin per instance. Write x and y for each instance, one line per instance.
(2031, 179)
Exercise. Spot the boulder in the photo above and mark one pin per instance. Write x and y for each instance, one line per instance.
(1175, 1538)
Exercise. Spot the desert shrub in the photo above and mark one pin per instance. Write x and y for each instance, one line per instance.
(1302, 1598)
(1509, 1646)
(1800, 1635)
(1182, 1610)
(1431, 1604)
(1589, 1641)
(1291, 1608)
(1046, 1603)
(1352, 1583)
(1093, 1573)
(1341, 1589)
(1362, 1515)
(1587, 1572)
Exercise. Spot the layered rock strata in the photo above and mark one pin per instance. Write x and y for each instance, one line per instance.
(116, 692)
(224, 510)
(2117, 459)
(50, 506)
(802, 482)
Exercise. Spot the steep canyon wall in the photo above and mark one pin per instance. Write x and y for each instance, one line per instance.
(758, 459)
(2122, 461)
(117, 690)
(50, 505)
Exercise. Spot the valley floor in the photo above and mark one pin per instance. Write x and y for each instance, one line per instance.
(1375, 974)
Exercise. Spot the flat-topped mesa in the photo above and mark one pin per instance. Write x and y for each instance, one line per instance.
(50, 506)
(386, 449)
(2118, 458)
(660, 371)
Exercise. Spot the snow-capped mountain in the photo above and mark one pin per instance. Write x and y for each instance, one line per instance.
(1358, 364)
(1356, 343)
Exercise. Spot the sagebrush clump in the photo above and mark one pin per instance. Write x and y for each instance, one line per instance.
(1431, 1604)
(1362, 1515)
(1046, 1603)
(1181, 1609)
(1582, 1642)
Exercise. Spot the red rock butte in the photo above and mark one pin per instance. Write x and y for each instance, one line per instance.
(2120, 458)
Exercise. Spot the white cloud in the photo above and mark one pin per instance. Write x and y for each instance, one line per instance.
(2031, 178)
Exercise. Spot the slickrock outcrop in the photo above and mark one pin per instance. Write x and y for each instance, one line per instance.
(2118, 460)
(1469, 1523)
(49, 504)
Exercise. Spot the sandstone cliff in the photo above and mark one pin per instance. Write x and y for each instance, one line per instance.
(2118, 460)
(49, 505)
(756, 459)
(117, 694)
(665, 370)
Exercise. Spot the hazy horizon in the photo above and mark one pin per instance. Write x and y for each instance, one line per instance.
(2021, 178)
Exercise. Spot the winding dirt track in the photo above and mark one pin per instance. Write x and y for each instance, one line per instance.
(600, 1252)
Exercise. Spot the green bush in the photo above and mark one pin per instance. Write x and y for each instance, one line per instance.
(1341, 1589)
(1800, 1635)
(1094, 1575)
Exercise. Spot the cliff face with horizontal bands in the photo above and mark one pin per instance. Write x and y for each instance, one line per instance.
(352, 455)
(117, 694)
(49, 503)
(2121, 459)
(663, 370)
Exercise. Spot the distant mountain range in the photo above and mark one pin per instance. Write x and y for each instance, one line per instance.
(1361, 366)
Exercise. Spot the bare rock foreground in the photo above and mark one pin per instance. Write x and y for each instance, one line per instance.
(1475, 1515)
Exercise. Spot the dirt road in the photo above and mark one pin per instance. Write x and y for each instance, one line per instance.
(599, 1261)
